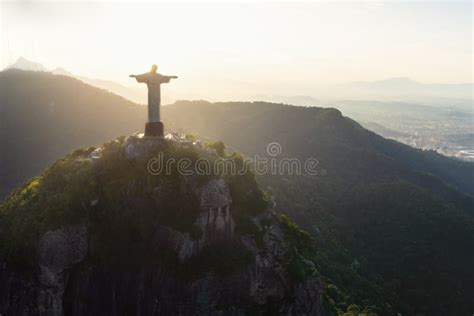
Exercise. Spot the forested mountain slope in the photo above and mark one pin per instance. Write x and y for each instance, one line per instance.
(403, 216)
(385, 216)
(44, 116)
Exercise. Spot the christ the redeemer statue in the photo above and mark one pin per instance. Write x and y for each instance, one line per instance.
(154, 126)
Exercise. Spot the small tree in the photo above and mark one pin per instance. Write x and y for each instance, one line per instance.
(218, 146)
(353, 310)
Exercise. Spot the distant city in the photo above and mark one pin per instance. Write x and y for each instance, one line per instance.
(445, 126)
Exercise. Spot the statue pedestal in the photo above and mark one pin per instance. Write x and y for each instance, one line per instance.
(154, 129)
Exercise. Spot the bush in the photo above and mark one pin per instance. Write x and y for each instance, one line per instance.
(218, 146)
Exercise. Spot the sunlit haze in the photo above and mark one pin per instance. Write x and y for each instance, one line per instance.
(227, 51)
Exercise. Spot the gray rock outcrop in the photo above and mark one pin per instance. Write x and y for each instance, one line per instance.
(168, 268)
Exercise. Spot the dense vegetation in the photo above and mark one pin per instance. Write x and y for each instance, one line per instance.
(393, 223)
(122, 204)
(45, 116)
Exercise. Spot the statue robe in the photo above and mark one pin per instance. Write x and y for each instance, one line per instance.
(153, 81)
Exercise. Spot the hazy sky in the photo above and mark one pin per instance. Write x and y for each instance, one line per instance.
(265, 47)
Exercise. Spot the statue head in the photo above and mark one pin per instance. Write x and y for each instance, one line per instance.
(154, 68)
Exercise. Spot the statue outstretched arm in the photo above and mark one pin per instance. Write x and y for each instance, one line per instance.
(166, 79)
(141, 78)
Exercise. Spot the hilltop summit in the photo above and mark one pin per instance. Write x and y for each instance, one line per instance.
(25, 64)
(97, 232)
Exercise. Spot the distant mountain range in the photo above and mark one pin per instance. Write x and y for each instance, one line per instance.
(400, 89)
(25, 64)
(408, 90)
(391, 222)
(134, 94)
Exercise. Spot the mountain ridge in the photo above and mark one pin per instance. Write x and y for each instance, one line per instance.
(399, 89)
(133, 94)
(25, 64)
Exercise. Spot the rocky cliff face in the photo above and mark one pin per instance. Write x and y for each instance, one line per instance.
(124, 252)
